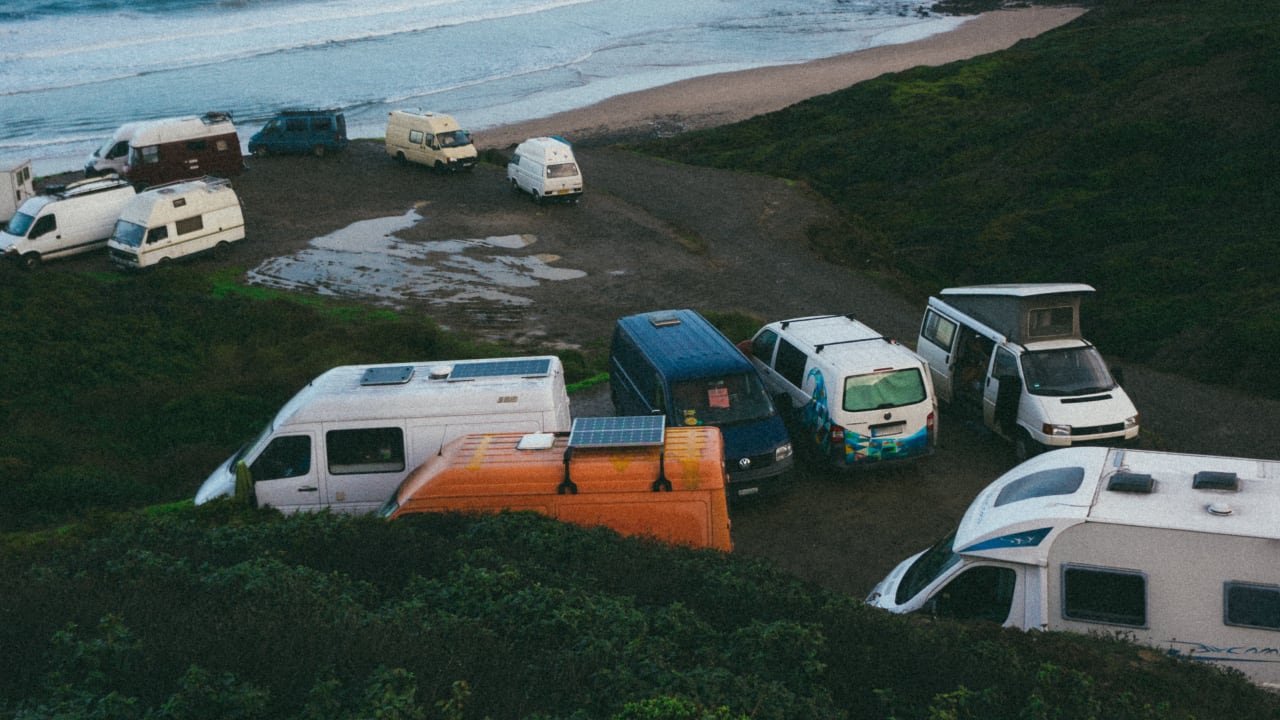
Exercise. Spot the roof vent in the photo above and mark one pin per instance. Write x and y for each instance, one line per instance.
(664, 319)
(1215, 480)
(440, 372)
(397, 375)
(1131, 483)
(1219, 509)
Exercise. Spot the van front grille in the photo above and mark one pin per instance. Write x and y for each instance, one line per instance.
(1098, 429)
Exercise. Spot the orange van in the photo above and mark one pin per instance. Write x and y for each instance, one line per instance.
(672, 490)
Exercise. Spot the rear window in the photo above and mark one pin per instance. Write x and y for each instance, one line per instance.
(877, 391)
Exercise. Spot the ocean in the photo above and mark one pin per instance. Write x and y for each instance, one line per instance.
(71, 71)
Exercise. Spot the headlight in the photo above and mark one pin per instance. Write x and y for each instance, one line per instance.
(1056, 430)
(782, 453)
(1131, 422)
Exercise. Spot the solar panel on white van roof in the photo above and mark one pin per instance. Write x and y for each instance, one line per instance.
(523, 367)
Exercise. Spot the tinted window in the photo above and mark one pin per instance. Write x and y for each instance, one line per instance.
(720, 400)
(45, 224)
(365, 450)
(762, 346)
(790, 363)
(1251, 605)
(321, 124)
(1054, 481)
(295, 124)
(1117, 597)
(1006, 365)
(189, 225)
(157, 234)
(980, 593)
(197, 145)
(287, 456)
(938, 330)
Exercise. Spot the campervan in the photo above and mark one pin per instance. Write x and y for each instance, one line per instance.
(432, 139)
(1013, 357)
(176, 220)
(113, 154)
(668, 485)
(347, 439)
(854, 397)
(16, 186)
(66, 220)
(162, 151)
(545, 168)
(675, 364)
(316, 132)
(1170, 550)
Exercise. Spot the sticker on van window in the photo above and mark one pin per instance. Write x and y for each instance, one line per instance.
(718, 397)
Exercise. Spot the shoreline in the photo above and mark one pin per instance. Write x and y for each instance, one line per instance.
(724, 98)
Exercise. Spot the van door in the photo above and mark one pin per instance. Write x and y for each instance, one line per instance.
(363, 465)
(284, 474)
(939, 336)
(1002, 393)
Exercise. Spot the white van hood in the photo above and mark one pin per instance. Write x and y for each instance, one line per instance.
(884, 593)
(220, 483)
(1091, 410)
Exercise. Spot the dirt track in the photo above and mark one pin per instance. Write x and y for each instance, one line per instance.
(651, 235)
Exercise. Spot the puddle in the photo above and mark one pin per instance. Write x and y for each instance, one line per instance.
(365, 259)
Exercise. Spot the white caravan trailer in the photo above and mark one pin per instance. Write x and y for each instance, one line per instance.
(1012, 355)
(347, 439)
(1165, 549)
(176, 220)
(16, 186)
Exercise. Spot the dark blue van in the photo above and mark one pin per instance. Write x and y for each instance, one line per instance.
(676, 364)
(299, 132)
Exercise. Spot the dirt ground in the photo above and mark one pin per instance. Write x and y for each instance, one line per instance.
(651, 235)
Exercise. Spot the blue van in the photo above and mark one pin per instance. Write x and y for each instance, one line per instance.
(676, 364)
(299, 132)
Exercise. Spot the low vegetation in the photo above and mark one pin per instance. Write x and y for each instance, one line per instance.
(1129, 150)
(1134, 149)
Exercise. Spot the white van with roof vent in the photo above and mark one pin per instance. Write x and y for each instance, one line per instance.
(177, 220)
(856, 398)
(1012, 355)
(429, 138)
(347, 440)
(546, 168)
(66, 220)
(1164, 549)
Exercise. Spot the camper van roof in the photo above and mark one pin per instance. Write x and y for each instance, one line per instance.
(355, 392)
(840, 336)
(685, 345)
(1200, 493)
(1019, 289)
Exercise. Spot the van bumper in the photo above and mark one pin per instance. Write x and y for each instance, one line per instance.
(762, 477)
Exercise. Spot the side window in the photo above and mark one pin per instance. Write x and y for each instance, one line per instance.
(157, 234)
(120, 149)
(982, 593)
(46, 224)
(762, 346)
(295, 125)
(1250, 605)
(365, 450)
(1117, 597)
(287, 456)
(1006, 364)
(415, 137)
(197, 145)
(939, 330)
(790, 363)
(189, 225)
(321, 124)
(515, 159)
(150, 155)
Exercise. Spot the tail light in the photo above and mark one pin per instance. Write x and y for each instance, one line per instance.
(836, 439)
(931, 425)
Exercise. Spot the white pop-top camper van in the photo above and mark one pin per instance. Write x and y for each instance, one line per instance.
(176, 220)
(347, 439)
(546, 168)
(1170, 550)
(66, 220)
(1012, 355)
(856, 398)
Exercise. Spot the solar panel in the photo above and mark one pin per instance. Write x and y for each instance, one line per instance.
(498, 368)
(617, 431)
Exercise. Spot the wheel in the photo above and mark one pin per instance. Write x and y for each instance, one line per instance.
(31, 261)
(318, 151)
(439, 167)
(221, 250)
(1024, 448)
(261, 152)
(400, 158)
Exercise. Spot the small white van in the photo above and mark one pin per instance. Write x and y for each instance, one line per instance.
(347, 440)
(855, 398)
(114, 153)
(170, 221)
(1012, 355)
(66, 220)
(428, 138)
(546, 168)
(1164, 549)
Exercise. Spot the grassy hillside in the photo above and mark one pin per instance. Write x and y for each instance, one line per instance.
(221, 612)
(1135, 149)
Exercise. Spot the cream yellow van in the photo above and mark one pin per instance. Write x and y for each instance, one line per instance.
(431, 139)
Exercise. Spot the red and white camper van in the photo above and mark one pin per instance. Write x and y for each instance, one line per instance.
(182, 148)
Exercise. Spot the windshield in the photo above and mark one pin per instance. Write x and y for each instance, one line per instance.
(128, 233)
(454, 138)
(935, 561)
(20, 224)
(883, 390)
(1066, 372)
(723, 400)
(562, 170)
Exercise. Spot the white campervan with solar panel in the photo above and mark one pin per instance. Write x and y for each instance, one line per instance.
(347, 440)
(1164, 549)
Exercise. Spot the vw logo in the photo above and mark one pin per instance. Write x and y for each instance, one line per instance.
(745, 463)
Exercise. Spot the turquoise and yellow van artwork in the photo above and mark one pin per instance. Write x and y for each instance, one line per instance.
(816, 418)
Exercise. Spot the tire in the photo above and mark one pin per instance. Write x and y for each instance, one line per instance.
(221, 250)
(261, 152)
(400, 158)
(318, 151)
(32, 261)
(1024, 448)
(439, 168)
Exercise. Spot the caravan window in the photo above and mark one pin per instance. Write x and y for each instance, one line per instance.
(939, 330)
(415, 137)
(189, 225)
(1117, 597)
(1249, 605)
(365, 450)
(1051, 322)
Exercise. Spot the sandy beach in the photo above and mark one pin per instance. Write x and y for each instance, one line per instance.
(729, 97)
